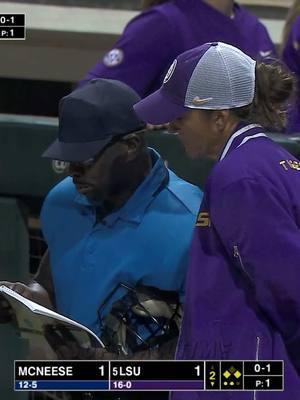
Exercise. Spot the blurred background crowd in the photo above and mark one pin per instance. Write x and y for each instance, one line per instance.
(66, 38)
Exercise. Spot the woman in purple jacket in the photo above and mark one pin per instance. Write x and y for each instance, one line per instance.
(243, 284)
(164, 29)
(291, 56)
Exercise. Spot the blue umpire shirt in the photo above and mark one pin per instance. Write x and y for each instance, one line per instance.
(146, 242)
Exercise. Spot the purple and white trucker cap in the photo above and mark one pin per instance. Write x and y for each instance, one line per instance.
(214, 76)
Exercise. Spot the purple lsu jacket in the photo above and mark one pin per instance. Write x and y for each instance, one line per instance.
(291, 57)
(243, 285)
(152, 40)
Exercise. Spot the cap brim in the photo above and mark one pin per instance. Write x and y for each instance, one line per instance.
(158, 108)
(74, 152)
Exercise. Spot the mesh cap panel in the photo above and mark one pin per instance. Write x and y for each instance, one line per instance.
(224, 78)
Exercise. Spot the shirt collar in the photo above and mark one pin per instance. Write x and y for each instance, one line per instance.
(243, 134)
(134, 209)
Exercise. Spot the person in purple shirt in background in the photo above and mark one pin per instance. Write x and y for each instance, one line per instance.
(164, 29)
(243, 284)
(291, 57)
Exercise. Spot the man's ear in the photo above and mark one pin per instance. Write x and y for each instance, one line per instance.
(134, 143)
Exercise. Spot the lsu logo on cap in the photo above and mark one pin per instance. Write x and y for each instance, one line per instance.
(113, 58)
(170, 71)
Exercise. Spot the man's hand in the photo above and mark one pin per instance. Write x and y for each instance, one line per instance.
(66, 347)
(6, 312)
(33, 291)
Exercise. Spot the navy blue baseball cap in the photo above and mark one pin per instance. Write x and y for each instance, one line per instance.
(91, 117)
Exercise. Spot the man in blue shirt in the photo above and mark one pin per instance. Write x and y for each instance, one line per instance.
(121, 217)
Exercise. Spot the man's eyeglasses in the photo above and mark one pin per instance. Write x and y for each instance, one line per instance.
(116, 139)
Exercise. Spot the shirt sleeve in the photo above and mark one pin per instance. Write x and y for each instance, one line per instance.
(141, 55)
(291, 51)
(257, 223)
(267, 50)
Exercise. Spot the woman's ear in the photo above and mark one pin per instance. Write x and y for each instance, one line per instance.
(221, 118)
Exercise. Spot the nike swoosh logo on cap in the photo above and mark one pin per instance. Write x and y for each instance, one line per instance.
(197, 101)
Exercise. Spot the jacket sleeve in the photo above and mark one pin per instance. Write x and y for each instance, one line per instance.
(257, 222)
(141, 55)
(267, 52)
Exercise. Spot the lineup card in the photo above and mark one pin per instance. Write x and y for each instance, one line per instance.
(12, 27)
(148, 375)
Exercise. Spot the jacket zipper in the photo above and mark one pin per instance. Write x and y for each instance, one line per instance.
(257, 347)
(258, 341)
(237, 255)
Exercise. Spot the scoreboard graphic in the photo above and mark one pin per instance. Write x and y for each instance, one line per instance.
(12, 27)
(149, 375)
